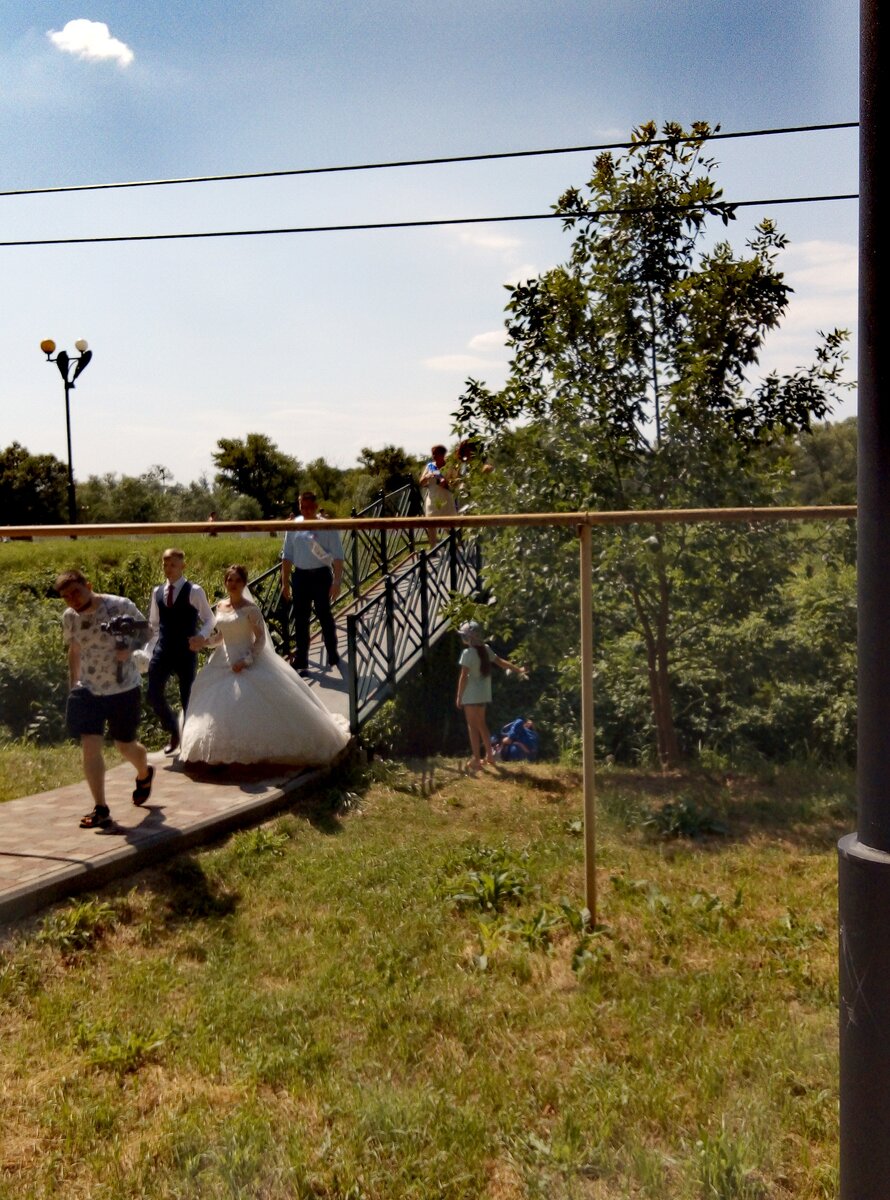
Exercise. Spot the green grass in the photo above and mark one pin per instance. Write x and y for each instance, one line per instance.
(104, 559)
(27, 768)
(398, 994)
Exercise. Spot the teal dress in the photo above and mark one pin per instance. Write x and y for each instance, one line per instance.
(478, 688)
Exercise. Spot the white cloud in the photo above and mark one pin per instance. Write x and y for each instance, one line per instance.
(521, 274)
(91, 40)
(489, 241)
(495, 340)
(830, 267)
(823, 275)
(456, 362)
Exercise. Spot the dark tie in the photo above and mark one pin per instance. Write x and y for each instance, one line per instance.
(169, 595)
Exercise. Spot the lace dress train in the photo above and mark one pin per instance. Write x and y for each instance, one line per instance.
(263, 713)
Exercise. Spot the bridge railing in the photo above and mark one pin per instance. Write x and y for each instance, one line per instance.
(368, 555)
(388, 635)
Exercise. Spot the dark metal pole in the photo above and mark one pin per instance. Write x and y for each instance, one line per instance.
(424, 605)
(356, 589)
(65, 363)
(72, 502)
(864, 856)
(389, 598)
(352, 659)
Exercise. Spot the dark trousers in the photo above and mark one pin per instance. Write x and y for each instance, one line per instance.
(312, 589)
(162, 668)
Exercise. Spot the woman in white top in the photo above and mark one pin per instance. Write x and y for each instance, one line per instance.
(474, 690)
(438, 498)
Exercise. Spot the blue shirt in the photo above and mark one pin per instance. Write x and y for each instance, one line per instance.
(298, 547)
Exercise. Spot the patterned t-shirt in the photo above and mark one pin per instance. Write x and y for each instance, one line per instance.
(98, 665)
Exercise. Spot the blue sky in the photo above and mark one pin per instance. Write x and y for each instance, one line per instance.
(330, 342)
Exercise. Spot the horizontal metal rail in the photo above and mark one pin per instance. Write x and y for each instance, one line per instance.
(641, 516)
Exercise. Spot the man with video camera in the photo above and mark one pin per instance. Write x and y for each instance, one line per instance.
(101, 633)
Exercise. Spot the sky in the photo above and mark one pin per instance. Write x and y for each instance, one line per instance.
(329, 342)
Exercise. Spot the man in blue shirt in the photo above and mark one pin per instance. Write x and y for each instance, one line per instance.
(313, 560)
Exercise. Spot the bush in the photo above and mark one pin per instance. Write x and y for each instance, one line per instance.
(33, 671)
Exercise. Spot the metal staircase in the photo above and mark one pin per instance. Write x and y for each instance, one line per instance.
(393, 600)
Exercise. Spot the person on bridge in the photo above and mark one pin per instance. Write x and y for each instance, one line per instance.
(178, 615)
(437, 482)
(247, 705)
(101, 633)
(311, 571)
(474, 690)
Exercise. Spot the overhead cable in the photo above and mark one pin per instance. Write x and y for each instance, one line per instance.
(365, 226)
(420, 162)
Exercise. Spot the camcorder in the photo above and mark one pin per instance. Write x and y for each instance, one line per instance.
(126, 631)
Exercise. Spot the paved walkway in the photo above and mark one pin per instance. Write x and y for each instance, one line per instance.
(44, 856)
(332, 682)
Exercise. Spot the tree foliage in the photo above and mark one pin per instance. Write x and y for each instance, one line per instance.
(823, 462)
(112, 498)
(629, 388)
(254, 466)
(33, 487)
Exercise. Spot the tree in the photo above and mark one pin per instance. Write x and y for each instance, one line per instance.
(390, 465)
(256, 467)
(110, 498)
(630, 375)
(33, 487)
(325, 480)
(823, 462)
(196, 500)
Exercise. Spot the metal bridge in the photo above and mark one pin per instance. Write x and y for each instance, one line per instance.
(391, 609)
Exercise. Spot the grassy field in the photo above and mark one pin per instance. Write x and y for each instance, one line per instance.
(105, 559)
(397, 994)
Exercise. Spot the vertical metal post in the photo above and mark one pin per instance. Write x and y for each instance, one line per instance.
(390, 630)
(586, 613)
(352, 659)
(424, 605)
(286, 609)
(864, 857)
(72, 502)
(452, 558)
(353, 558)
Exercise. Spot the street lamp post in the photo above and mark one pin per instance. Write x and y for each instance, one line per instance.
(69, 369)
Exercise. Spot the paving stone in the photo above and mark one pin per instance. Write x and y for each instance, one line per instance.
(45, 856)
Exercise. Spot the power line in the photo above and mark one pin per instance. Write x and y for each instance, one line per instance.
(366, 226)
(421, 162)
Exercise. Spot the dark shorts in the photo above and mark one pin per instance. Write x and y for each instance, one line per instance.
(88, 714)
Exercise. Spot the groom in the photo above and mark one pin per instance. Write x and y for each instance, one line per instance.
(180, 618)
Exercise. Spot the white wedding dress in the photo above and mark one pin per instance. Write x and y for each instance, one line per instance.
(263, 713)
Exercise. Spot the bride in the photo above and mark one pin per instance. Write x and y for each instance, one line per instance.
(247, 705)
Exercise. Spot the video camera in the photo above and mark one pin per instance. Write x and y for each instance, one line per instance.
(125, 630)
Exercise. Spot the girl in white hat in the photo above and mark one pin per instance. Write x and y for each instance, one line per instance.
(474, 690)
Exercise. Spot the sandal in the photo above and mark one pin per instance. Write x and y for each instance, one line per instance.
(143, 787)
(99, 818)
